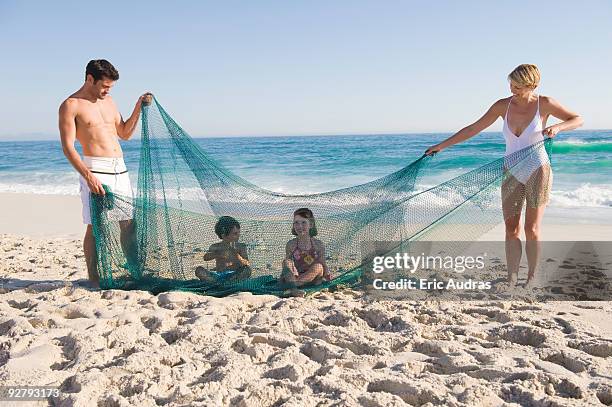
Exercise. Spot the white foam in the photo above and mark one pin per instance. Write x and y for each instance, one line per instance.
(40, 189)
(586, 195)
(577, 141)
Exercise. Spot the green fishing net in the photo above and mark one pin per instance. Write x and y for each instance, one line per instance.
(182, 192)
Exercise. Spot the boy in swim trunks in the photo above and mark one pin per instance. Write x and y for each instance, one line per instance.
(231, 259)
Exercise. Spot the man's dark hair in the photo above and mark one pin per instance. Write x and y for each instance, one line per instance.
(99, 68)
(224, 226)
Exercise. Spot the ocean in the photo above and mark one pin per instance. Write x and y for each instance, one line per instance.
(582, 164)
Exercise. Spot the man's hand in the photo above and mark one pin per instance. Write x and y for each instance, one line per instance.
(94, 185)
(146, 99)
(551, 131)
(126, 128)
(433, 150)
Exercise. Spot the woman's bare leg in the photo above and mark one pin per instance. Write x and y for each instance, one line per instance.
(533, 222)
(513, 197)
(514, 250)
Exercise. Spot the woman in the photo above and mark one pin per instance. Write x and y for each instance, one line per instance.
(525, 114)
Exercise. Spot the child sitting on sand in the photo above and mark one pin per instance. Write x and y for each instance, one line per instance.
(304, 256)
(231, 258)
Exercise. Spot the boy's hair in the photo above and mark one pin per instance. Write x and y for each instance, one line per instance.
(99, 68)
(224, 226)
(306, 213)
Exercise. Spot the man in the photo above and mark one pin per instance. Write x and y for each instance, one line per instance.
(90, 116)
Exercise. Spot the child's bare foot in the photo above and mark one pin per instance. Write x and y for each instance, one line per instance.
(294, 292)
(317, 281)
(242, 274)
(286, 281)
(204, 275)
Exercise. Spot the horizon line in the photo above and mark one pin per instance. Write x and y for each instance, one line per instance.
(46, 137)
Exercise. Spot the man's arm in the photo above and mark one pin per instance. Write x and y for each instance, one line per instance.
(67, 128)
(126, 128)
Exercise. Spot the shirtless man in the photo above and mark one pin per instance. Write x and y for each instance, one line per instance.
(90, 116)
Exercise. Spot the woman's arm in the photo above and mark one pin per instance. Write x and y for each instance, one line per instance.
(473, 129)
(569, 119)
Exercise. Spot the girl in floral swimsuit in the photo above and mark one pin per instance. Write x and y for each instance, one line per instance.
(304, 255)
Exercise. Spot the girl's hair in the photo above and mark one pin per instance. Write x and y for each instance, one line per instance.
(306, 213)
(525, 75)
(224, 226)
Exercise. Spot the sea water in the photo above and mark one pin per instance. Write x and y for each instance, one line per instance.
(582, 164)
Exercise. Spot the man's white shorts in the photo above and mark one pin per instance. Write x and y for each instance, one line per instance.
(113, 173)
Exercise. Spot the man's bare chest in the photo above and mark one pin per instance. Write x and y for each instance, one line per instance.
(95, 116)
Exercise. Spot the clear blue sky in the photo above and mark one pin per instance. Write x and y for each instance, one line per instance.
(304, 67)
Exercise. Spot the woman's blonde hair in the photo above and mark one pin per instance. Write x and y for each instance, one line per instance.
(525, 75)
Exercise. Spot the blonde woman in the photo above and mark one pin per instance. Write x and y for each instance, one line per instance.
(525, 114)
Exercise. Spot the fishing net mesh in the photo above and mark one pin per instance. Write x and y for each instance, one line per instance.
(182, 192)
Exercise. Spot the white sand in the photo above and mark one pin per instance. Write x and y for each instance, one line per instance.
(60, 216)
(41, 215)
(116, 348)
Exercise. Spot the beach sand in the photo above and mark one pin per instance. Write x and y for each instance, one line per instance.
(118, 348)
(41, 215)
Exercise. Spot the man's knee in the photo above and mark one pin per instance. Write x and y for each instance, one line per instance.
(126, 225)
(89, 237)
